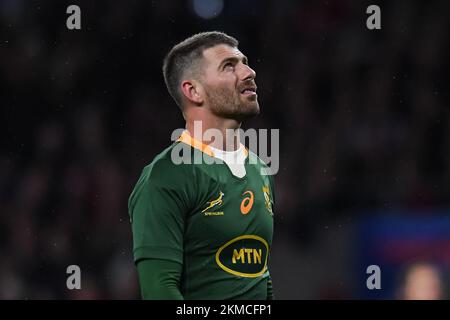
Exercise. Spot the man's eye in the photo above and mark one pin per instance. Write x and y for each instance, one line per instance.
(227, 65)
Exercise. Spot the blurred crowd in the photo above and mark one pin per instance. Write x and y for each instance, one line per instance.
(363, 118)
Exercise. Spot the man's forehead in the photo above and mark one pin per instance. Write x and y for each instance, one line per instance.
(220, 52)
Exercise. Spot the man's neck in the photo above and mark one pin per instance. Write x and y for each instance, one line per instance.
(207, 129)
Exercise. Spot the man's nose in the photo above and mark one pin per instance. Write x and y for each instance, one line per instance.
(248, 73)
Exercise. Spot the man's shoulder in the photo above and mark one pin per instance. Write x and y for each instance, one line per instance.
(262, 167)
(166, 165)
(254, 159)
(162, 173)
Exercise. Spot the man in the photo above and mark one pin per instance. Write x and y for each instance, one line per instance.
(202, 230)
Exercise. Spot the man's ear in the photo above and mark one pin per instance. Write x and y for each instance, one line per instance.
(193, 91)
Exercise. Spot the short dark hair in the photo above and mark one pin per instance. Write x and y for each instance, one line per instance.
(186, 55)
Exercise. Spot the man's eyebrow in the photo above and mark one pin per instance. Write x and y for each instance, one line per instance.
(233, 59)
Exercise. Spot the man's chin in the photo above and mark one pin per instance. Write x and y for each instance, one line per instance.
(253, 108)
(247, 111)
(243, 112)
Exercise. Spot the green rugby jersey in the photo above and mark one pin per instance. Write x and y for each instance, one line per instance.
(218, 226)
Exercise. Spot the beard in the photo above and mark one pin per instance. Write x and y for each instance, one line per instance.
(230, 104)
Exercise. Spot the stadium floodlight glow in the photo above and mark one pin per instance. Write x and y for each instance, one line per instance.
(207, 9)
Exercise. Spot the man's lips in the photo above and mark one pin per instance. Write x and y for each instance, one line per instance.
(250, 90)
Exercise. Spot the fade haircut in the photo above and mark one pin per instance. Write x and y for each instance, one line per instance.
(186, 56)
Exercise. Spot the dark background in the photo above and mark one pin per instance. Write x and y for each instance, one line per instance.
(363, 118)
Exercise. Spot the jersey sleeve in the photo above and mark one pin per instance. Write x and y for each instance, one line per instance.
(159, 279)
(158, 207)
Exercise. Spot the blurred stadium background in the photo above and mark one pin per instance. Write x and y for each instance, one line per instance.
(363, 117)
